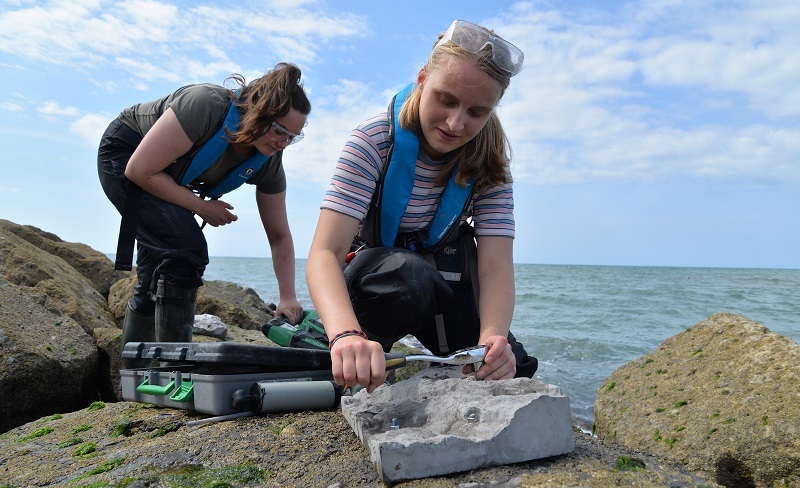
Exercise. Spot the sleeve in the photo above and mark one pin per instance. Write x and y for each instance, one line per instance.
(200, 110)
(493, 211)
(271, 178)
(358, 168)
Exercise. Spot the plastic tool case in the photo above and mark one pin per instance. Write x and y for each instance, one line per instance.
(221, 378)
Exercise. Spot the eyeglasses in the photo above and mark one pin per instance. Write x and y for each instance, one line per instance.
(474, 38)
(282, 134)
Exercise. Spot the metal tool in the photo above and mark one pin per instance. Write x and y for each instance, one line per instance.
(469, 355)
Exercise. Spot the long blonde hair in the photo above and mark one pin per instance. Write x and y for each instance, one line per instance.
(266, 99)
(484, 158)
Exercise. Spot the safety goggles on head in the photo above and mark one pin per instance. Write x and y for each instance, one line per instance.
(474, 38)
(282, 134)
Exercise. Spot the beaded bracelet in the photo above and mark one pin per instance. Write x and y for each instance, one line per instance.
(346, 333)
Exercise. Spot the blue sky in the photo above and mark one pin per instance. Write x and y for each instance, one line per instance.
(660, 132)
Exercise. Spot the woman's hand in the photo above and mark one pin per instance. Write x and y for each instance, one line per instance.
(291, 309)
(358, 361)
(216, 212)
(499, 362)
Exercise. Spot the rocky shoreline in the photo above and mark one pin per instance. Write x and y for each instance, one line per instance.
(713, 406)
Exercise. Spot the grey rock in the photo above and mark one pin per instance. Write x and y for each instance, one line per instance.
(48, 363)
(91, 264)
(209, 325)
(59, 339)
(439, 422)
(60, 287)
(233, 304)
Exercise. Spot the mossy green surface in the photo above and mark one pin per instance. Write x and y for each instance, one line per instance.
(121, 427)
(625, 463)
(38, 433)
(81, 428)
(105, 467)
(165, 429)
(226, 476)
(95, 406)
(69, 442)
(84, 449)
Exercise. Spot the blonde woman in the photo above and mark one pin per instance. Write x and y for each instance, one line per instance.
(415, 235)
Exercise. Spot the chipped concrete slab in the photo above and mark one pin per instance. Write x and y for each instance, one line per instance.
(440, 422)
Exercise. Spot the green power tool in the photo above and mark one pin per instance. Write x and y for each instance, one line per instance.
(308, 334)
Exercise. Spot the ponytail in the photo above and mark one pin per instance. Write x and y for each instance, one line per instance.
(266, 99)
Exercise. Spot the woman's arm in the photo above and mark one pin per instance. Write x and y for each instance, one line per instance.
(496, 278)
(165, 142)
(354, 359)
(272, 209)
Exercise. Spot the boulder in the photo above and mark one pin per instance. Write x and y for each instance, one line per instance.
(59, 339)
(118, 295)
(48, 363)
(232, 304)
(721, 397)
(63, 290)
(91, 264)
(109, 362)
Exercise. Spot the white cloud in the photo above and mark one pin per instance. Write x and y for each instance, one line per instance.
(664, 90)
(90, 127)
(158, 41)
(11, 107)
(336, 111)
(52, 109)
(659, 89)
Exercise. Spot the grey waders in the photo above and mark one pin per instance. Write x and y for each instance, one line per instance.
(174, 312)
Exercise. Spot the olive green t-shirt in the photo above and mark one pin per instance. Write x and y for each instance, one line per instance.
(200, 110)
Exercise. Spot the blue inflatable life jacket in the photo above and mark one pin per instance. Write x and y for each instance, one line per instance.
(210, 152)
(393, 192)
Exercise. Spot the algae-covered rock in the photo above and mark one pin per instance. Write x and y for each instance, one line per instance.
(721, 397)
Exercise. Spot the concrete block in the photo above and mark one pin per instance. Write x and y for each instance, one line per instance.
(440, 422)
(209, 325)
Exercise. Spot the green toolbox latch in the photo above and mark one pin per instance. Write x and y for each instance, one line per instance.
(149, 389)
(184, 393)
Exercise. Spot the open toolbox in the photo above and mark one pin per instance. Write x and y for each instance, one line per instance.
(221, 378)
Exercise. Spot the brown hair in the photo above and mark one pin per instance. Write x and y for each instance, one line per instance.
(487, 155)
(266, 99)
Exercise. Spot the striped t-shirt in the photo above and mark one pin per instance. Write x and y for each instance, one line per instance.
(359, 168)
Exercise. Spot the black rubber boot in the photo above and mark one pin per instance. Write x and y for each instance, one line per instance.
(174, 312)
(137, 327)
(526, 365)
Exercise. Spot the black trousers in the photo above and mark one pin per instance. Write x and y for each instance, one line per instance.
(396, 292)
(169, 242)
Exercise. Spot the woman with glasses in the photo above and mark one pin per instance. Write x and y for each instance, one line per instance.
(162, 163)
(395, 250)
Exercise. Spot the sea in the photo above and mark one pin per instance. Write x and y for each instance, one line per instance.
(583, 322)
